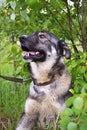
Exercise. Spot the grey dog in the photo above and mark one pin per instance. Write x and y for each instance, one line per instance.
(51, 81)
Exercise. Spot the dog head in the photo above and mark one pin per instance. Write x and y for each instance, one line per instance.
(44, 52)
(42, 45)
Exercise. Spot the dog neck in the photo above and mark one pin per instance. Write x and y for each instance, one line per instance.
(47, 72)
(44, 83)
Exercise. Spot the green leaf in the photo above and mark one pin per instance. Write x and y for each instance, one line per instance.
(32, 3)
(70, 101)
(76, 88)
(64, 121)
(82, 70)
(72, 126)
(83, 127)
(68, 112)
(14, 49)
(78, 103)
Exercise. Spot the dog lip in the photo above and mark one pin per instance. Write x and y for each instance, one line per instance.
(32, 55)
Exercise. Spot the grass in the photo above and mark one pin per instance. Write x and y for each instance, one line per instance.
(11, 103)
(11, 100)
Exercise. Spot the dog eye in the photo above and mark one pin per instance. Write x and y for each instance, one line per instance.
(42, 36)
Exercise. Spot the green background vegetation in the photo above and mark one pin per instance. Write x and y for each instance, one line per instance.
(67, 19)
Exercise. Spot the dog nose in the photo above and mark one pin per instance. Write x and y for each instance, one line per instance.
(23, 38)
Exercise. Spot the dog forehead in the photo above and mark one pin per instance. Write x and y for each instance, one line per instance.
(49, 35)
(44, 34)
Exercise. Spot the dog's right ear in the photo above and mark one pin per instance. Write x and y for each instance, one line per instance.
(64, 49)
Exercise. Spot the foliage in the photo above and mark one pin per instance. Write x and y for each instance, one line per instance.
(76, 111)
(67, 20)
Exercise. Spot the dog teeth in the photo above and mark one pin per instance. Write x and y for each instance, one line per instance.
(30, 53)
(37, 53)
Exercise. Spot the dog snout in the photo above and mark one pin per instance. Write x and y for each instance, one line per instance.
(23, 38)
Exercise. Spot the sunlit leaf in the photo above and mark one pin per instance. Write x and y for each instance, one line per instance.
(2, 2)
(12, 16)
(78, 103)
(24, 14)
(13, 5)
(72, 126)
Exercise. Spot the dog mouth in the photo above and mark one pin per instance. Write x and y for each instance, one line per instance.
(30, 51)
(32, 55)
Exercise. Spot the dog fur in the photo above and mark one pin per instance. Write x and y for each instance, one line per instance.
(49, 89)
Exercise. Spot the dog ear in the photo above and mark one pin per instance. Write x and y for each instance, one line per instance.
(64, 49)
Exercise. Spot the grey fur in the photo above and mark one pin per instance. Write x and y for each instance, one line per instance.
(49, 89)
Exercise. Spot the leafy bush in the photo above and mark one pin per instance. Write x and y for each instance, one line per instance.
(75, 115)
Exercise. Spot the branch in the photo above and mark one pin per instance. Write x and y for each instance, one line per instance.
(70, 26)
(77, 6)
(13, 79)
(58, 12)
